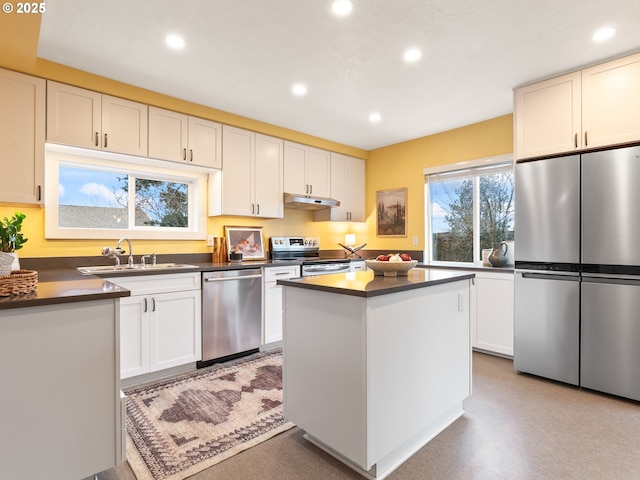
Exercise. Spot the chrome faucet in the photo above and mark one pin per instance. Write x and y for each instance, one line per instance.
(113, 253)
(143, 259)
(130, 261)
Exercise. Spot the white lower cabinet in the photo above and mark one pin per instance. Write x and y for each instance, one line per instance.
(160, 324)
(272, 318)
(492, 311)
(492, 330)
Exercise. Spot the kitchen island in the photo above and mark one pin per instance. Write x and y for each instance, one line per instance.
(375, 367)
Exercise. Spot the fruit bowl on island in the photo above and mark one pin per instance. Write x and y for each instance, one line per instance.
(391, 265)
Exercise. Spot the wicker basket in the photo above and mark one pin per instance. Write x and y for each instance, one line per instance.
(18, 283)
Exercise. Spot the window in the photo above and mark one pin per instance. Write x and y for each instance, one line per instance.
(112, 197)
(469, 208)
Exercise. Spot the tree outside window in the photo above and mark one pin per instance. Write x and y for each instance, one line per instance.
(470, 211)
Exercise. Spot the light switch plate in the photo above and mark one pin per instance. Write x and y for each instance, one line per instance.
(210, 240)
(415, 241)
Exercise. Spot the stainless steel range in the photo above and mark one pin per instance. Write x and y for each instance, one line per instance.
(306, 249)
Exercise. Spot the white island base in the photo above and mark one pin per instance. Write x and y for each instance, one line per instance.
(371, 379)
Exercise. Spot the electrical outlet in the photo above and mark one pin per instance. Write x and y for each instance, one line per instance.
(210, 240)
(415, 241)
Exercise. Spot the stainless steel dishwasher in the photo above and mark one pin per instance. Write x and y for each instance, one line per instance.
(231, 313)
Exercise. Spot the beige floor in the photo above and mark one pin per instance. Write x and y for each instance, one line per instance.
(516, 427)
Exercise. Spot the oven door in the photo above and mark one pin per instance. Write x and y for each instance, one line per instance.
(324, 268)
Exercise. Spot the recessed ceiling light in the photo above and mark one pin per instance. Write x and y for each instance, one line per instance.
(412, 55)
(341, 8)
(299, 89)
(375, 117)
(175, 42)
(603, 34)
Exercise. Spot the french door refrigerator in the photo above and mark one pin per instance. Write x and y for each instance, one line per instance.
(610, 329)
(547, 261)
(577, 285)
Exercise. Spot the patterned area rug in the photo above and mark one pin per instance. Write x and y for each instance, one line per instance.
(180, 426)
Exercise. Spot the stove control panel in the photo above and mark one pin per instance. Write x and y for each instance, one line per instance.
(294, 243)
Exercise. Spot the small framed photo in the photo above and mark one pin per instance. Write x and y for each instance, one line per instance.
(391, 213)
(247, 241)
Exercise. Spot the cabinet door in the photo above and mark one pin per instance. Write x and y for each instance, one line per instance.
(238, 152)
(493, 330)
(22, 122)
(268, 173)
(124, 126)
(272, 313)
(205, 143)
(134, 336)
(74, 116)
(548, 117)
(295, 159)
(175, 329)
(355, 189)
(319, 172)
(611, 102)
(167, 135)
(338, 189)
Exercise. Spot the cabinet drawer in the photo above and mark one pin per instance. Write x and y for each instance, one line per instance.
(175, 282)
(272, 274)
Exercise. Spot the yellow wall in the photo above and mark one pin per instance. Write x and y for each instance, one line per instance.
(389, 167)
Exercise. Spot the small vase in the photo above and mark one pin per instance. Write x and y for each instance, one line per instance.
(8, 262)
(498, 256)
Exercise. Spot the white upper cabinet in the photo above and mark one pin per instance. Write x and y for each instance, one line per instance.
(548, 117)
(611, 102)
(252, 176)
(181, 138)
(22, 122)
(83, 118)
(307, 170)
(348, 187)
(595, 107)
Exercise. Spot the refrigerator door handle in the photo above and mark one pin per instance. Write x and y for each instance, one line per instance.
(570, 276)
(616, 279)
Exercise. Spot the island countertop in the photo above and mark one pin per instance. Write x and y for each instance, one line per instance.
(366, 284)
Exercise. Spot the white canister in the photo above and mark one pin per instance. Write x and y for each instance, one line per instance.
(485, 257)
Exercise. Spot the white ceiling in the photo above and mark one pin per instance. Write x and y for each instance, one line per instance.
(243, 56)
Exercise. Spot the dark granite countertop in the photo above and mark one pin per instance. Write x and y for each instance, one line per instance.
(366, 284)
(64, 286)
(60, 282)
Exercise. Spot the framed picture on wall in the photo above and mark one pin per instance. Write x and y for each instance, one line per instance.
(391, 213)
(245, 240)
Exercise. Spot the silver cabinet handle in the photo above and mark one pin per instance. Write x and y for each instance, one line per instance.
(184, 154)
(153, 302)
(258, 209)
(145, 305)
(585, 139)
(97, 139)
(191, 155)
(575, 140)
(105, 140)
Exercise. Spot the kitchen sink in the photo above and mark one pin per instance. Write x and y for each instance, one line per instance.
(98, 269)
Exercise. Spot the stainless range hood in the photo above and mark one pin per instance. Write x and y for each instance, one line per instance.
(304, 202)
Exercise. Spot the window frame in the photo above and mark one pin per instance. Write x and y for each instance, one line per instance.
(196, 177)
(460, 170)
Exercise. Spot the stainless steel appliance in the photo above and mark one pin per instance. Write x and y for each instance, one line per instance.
(306, 250)
(577, 289)
(231, 313)
(547, 260)
(610, 304)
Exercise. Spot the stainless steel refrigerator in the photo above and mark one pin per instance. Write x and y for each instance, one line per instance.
(577, 286)
(547, 278)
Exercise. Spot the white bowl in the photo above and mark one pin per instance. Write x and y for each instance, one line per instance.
(390, 269)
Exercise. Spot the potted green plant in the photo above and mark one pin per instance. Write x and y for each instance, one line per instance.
(11, 239)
